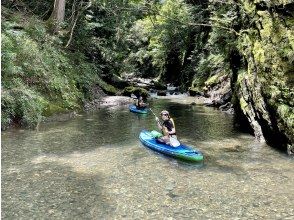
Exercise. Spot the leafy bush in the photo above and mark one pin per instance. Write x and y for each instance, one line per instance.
(22, 105)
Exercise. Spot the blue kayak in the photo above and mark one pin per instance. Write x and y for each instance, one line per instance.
(182, 152)
(133, 108)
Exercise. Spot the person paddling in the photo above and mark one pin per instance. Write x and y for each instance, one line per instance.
(167, 127)
(140, 103)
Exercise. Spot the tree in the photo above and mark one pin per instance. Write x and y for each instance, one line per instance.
(169, 39)
(58, 13)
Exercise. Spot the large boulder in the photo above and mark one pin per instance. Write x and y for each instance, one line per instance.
(137, 91)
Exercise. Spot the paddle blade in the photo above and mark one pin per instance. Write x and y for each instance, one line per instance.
(133, 96)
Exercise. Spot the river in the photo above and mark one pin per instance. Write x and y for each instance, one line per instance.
(94, 167)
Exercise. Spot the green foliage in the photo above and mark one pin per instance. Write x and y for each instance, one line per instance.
(214, 45)
(158, 43)
(224, 18)
(37, 64)
(38, 77)
(212, 81)
(21, 104)
(106, 25)
(170, 33)
(139, 60)
(210, 64)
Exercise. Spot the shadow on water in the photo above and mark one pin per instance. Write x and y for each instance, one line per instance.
(52, 190)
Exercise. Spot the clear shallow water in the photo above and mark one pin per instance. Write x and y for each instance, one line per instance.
(94, 167)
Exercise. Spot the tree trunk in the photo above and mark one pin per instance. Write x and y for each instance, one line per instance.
(58, 13)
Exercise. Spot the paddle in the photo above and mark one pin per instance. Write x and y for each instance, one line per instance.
(173, 141)
(133, 96)
(153, 112)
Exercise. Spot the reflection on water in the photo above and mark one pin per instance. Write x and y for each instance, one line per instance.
(94, 167)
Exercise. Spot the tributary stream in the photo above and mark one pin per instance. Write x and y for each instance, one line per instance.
(94, 167)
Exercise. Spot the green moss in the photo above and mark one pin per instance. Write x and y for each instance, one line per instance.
(107, 88)
(53, 108)
(258, 52)
(193, 91)
(243, 104)
(287, 113)
(267, 23)
(283, 110)
(212, 80)
(249, 7)
(128, 91)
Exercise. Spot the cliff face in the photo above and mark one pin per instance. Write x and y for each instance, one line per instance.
(257, 55)
(264, 86)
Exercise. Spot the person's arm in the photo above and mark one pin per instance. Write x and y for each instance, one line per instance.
(158, 124)
(162, 127)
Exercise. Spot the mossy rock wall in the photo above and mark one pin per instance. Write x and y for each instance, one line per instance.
(265, 89)
(256, 52)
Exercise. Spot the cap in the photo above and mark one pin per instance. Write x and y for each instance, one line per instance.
(164, 112)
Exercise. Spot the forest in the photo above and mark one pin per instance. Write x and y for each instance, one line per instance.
(58, 55)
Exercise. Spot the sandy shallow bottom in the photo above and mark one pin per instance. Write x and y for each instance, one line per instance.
(136, 183)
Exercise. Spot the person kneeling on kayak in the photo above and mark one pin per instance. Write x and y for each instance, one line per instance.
(168, 130)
